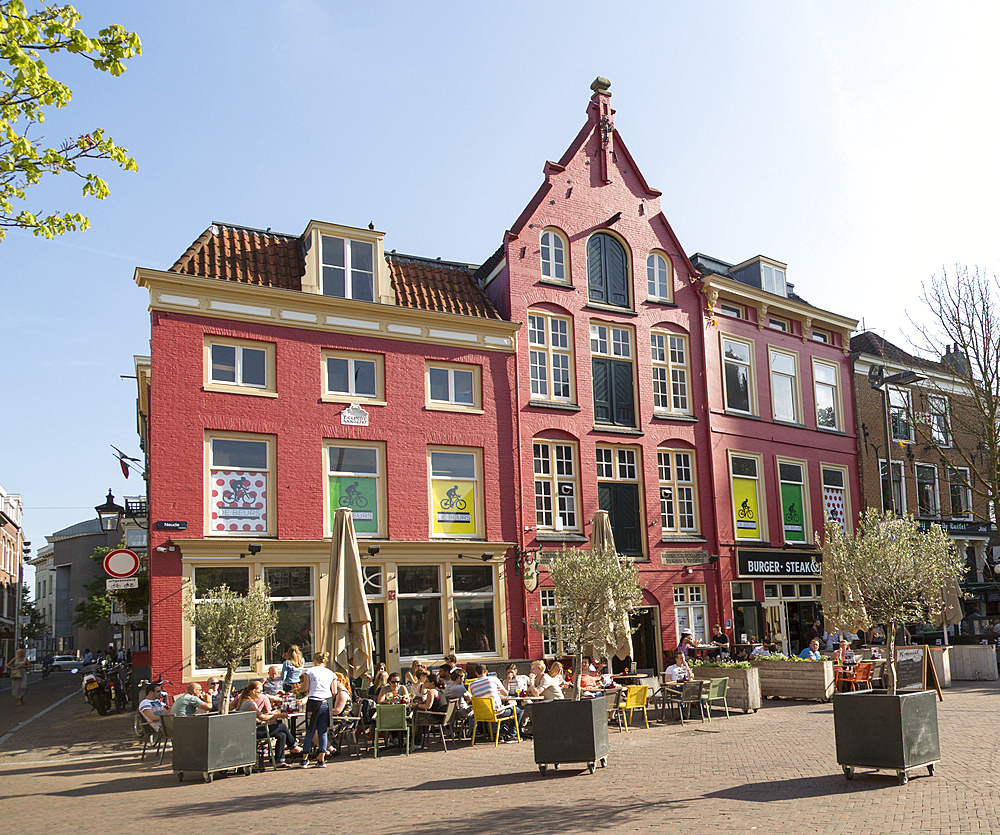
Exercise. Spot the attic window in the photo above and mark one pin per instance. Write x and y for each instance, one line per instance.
(348, 268)
(772, 279)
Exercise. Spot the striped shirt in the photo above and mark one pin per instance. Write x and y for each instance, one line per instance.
(487, 687)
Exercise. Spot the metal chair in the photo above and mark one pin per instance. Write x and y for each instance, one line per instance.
(635, 699)
(265, 748)
(717, 689)
(484, 711)
(151, 737)
(392, 719)
(689, 694)
(614, 709)
(435, 721)
(858, 677)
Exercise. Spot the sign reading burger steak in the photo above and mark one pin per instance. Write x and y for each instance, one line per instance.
(768, 564)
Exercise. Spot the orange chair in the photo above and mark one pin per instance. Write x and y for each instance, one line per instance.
(858, 677)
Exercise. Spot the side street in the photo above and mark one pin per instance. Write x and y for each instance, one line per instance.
(773, 771)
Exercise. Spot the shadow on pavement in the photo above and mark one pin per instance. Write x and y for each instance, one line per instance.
(801, 787)
(260, 802)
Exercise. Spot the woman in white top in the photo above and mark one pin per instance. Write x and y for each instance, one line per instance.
(322, 685)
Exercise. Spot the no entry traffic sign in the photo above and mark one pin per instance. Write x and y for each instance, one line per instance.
(121, 563)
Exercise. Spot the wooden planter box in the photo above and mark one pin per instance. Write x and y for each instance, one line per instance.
(744, 686)
(973, 662)
(795, 679)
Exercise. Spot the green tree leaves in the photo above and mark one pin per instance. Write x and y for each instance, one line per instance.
(27, 89)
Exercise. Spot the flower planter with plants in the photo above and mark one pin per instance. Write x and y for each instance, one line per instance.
(794, 678)
(889, 573)
(743, 692)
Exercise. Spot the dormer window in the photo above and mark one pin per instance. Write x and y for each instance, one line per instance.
(772, 279)
(348, 268)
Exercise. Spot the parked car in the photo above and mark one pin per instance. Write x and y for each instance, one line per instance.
(66, 662)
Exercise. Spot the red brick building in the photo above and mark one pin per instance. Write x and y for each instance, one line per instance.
(289, 375)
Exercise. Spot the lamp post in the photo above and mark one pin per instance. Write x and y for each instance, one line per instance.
(879, 382)
(110, 514)
(25, 550)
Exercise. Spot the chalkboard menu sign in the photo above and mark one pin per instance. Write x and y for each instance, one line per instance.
(911, 668)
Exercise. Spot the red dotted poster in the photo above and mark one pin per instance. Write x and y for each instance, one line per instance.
(239, 501)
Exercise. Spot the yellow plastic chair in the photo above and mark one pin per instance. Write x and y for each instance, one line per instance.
(635, 699)
(484, 711)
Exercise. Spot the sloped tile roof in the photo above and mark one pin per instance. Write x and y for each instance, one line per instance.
(868, 342)
(250, 256)
(443, 286)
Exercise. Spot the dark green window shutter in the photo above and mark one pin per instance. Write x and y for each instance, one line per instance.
(603, 388)
(616, 271)
(625, 519)
(624, 404)
(595, 269)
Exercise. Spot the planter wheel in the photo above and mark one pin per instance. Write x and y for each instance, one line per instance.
(208, 776)
(604, 762)
(849, 772)
(542, 769)
(591, 767)
(180, 776)
(247, 770)
(904, 778)
(930, 769)
(555, 766)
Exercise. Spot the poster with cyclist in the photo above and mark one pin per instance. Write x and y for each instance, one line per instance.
(454, 506)
(359, 494)
(239, 501)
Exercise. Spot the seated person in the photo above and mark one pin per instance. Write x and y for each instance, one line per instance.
(513, 683)
(488, 687)
(431, 696)
(556, 671)
(268, 721)
(394, 693)
(721, 640)
(151, 707)
(679, 670)
(688, 640)
(272, 685)
(191, 702)
(213, 691)
(843, 654)
(379, 681)
(455, 689)
(341, 694)
(588, 681)
(811, 652)
(542, 684)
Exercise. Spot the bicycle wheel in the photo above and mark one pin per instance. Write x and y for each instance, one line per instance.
(460, 504)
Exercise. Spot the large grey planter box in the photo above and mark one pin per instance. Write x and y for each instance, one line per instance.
(744, 686)
(795, 679)
(876, 730)
(212, 742)
(570, 732)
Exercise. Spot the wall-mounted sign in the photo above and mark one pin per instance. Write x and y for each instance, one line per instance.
(354, 415)
(778, 563)
(171, 526)
(115, 584)
(683, 557)
(958, 527)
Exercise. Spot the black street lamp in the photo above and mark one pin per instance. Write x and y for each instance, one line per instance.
(110, 514)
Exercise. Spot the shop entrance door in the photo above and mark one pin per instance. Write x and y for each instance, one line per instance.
(801, 616)
(645, 638)
(775, 629)
(377, 612)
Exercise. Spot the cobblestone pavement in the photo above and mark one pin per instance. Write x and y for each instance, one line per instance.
(774, 771)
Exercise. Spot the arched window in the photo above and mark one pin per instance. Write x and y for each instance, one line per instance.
(658, 276)
(553, 256)
(607, 270)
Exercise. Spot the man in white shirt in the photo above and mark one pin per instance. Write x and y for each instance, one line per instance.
(679, 670)
(151, 707)
(542, 684)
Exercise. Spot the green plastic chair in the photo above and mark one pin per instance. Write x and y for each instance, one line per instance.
(717, 689)
(391, 719)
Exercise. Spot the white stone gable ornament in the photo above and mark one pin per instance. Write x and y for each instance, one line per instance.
(354, 415)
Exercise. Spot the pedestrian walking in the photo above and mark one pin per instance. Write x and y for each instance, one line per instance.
(17, 668)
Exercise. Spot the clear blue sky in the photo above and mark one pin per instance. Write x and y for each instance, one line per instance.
(854, 141)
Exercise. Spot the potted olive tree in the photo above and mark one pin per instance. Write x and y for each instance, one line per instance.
(595, 593)
(228, 628)
(888, 573)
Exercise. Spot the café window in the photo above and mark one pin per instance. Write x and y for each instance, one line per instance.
(555, 485)
(456, 489)
(473, 598)
(898, 493)
(418, 602)
(794, 520)
(690, 611)
(374, 580)
(205, 579)
(927, 491)
(743, 591)
(835, 494)
(355, 480)
(293, 596)
(748, 511)
(960, 494)
(239, 478)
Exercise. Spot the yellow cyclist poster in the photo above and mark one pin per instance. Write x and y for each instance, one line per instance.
(454, 507)
(745, 507)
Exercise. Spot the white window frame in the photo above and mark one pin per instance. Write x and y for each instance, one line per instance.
(192, 580)
(940, 419)
(818, 335)
(739, 363)
(778, 324)
(477, 509)
(452, 369)
(442, 613)
(557, 485)
(845, 484)
(804, 510)
(897, 466)
(935, 511)
(332, 503)
(547, 360)
(819, 385)
(477, 595)
(678, 477)
(553, 256)
(903, 409)
(353, 396)
(659, 276)
(671, 372)
(761, 494)
(347, 267)
(773, 279)
(736, 311)
(552, 643)
(691, 600)
(311, 598)
(796, 390)
(267, 473)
